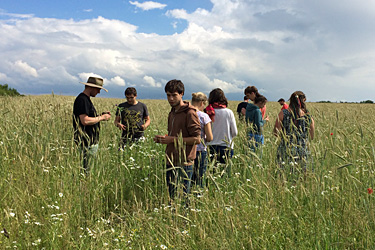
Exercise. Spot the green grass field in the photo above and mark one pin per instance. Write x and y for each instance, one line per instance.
(45, 202)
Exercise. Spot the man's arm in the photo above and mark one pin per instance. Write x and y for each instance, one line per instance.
(194, 128)
(147, 122)
(166, 139)
(86, 120)
(312, 129)
(118, 123)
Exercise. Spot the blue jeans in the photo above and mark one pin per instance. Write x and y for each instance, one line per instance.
(200, 167)
(257, 139)
(173, 174)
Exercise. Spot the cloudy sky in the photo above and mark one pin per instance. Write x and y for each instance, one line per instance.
(324, 48)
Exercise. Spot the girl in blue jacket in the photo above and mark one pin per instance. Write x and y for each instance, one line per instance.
(255, 121)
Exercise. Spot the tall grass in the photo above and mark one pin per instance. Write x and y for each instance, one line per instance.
(45, 201)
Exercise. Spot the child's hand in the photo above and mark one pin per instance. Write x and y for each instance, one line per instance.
(158, 138)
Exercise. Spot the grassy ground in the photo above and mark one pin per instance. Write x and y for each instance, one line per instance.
(45, 202)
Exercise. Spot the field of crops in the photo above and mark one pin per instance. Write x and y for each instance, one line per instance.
(45, 201)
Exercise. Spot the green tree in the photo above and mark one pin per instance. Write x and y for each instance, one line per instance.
(6, 91)
(367, 101)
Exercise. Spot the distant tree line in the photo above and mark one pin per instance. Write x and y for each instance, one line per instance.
(6, 91)
(367, 101)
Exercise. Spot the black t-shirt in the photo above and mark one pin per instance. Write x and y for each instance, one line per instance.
(239, 108)
(89, 134)
(132, 116)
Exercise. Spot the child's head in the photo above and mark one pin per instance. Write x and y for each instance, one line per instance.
(130, 91)
(199, 100)
(260, 101)
(175, 86)
(251, 92)
(281, 101)
(297, 101)
(217, 96)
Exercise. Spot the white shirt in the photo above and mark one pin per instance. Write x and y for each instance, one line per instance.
(224, 129)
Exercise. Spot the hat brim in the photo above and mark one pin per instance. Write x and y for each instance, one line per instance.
(94, 86)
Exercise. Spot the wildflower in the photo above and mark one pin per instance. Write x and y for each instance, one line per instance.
(370, 190)
(185, 232)
(61, 195)
(331, 133)
(12, 214)
(163, 247)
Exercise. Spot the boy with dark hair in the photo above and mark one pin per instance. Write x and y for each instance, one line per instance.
(184, 132)
(132, 118)
(242, 105)
(281, 101)
(130, 91)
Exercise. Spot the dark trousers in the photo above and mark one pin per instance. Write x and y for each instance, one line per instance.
(174, 174)
(222, 154)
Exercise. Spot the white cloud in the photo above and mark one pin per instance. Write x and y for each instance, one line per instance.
(148, 5)
(178, 13)
(13, 15)
(151, 81)
(25, 69)
(319, 47)
(117, 81)
(85, 76)
(87, 10)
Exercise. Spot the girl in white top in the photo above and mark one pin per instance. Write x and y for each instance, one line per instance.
(224, 127)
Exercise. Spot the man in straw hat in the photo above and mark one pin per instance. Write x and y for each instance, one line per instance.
(86, 121)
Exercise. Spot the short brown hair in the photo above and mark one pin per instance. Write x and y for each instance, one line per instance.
(260, 99)
(174, 86)
(251, 89)
(131, 91)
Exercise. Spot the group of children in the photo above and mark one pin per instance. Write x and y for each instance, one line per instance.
(207, 125)
(204, 125)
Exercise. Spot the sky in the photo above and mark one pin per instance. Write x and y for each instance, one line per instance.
(324, 48)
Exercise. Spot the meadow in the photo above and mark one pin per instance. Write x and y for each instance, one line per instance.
(46, 203)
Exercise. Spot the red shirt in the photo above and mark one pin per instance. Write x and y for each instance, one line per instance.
(285, 106)
(263, 110)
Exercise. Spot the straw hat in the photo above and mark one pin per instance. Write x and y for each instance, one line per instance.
(95, 82)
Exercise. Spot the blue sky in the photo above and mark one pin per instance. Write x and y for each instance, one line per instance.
(134, 12)
(324, 48)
